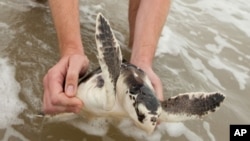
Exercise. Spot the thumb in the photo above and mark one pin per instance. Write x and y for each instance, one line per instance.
(71, 83)
(158, 89)
(157, 84)
(77, 64)
(71, 77)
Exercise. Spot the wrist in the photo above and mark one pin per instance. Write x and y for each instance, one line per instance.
(141, 63)
(142, 56)
(70, 49)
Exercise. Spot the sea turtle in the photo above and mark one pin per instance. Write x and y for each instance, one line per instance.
(120, 90)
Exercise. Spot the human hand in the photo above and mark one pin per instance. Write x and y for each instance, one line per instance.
(156, 82)
(58, 98)
(153, 77)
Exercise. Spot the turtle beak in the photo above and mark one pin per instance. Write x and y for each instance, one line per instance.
(149, 121)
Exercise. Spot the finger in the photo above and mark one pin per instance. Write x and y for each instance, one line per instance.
(157, 84)
(48, 108)
(62, 100)
(61, 107)
(158, 89)
(55, 101)
(55, 94)
(73, 72)
(45, 91)
(54, 105)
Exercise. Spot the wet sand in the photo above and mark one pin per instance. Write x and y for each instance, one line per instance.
(204, 46)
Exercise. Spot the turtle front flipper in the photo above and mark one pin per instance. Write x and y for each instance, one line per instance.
(190, 106)
(110, 58)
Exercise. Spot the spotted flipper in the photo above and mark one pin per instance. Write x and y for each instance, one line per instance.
(109, 56)
(190, 106)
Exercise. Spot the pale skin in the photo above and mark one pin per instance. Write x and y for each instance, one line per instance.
(146, 19)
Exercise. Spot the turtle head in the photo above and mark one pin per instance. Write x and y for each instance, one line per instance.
(140, 101)
(147, 108)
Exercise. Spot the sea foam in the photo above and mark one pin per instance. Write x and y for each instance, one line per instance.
(10, 106)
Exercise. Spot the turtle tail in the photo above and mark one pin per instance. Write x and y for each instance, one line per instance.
(190, 106)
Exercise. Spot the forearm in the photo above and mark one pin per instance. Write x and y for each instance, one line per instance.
(66, 19)
(150, 18)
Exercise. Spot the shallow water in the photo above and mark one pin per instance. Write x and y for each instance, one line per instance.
(204, 46)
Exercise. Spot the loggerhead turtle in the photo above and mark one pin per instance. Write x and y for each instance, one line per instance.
(118, 89)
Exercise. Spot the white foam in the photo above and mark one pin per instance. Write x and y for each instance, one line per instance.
(22, 5)
(88, 12)
(10, 106)
(229, 11)
(221, 43)
(207, 128)
(10, 132)
(96, 126)
(192, 17)
(174, 71)
(173, 129)
(169, 42)
(240, 73)
(3, 25)
(128, 128)
(7, 35)
(199, 69)
(178, 129)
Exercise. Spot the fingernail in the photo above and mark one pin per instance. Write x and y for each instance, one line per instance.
(70, 90)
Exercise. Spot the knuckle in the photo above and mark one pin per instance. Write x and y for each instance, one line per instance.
(70, 110)
(45, 79)
(55, 100)
(47, 109)
(51, 70)
(51, 74)
(72, 77)
(86, 61)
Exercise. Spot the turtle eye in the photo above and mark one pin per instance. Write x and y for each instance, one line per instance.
(134, 90)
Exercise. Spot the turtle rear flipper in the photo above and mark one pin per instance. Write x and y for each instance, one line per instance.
(109, 56)
(190, 106)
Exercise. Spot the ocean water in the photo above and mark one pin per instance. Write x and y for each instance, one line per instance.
(204, 46)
